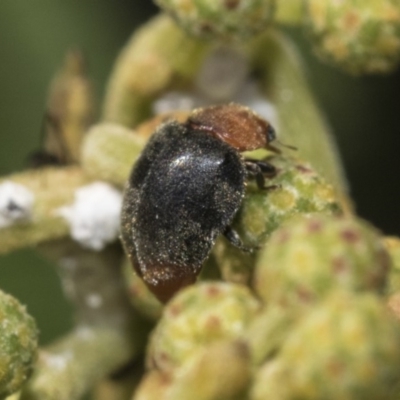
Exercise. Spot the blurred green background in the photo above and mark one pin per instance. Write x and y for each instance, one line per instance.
(34, 36)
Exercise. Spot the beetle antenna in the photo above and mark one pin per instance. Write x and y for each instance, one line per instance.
(286, 145)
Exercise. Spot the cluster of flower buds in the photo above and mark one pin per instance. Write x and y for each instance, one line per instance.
(358, 36)
(18, 344)
(303, 314)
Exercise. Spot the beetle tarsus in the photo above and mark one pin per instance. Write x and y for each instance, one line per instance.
(260, 170)
(234, 239)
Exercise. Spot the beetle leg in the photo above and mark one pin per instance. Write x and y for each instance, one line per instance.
(234, 239)
(260, 170)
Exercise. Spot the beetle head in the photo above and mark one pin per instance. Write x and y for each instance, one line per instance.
(234, 124)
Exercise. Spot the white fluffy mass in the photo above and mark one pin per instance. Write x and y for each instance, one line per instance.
(94, 216)
(16, 203)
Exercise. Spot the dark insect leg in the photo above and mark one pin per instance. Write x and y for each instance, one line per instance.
(260, 170)
(234, 238)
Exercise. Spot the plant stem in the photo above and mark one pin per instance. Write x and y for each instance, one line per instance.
(301, 122)
(156, 56)
(52, 188)
(289, 12)
(108, 333)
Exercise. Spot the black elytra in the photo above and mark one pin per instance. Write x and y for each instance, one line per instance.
(184, 191)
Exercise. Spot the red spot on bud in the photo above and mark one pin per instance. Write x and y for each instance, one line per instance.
(350, 236)
(174, 310)
(213, 323)
(231, 4)
(213, 291)
(339, 265)
(314, 226)
(283, 236)
(304, 295)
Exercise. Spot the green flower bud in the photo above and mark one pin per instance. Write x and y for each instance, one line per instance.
(299, 190)
(220, 18)
(18, 344)
(393, 303)
(108, 152)
(392, 245)
(144, 300)
(360, 36)
(268, 331)
(272, 382)
(197, 317)
(220, 371)
(308, 257)
(348, 347)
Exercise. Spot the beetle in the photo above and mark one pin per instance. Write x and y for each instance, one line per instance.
(185, 189)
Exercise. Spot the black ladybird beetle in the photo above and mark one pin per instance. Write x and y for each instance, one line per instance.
(185, 189)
